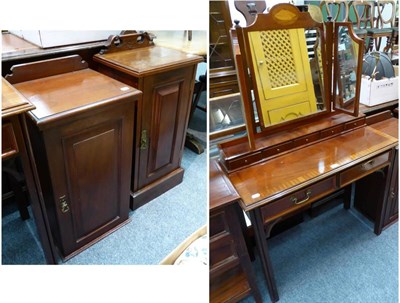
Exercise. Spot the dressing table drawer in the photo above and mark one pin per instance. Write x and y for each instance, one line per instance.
(332, 131)
(356, 172)
(298, 199)
(246, 160)
(9, 143)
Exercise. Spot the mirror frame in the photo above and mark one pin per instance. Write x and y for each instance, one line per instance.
(336, 68)
(288, 16)
(281, 16)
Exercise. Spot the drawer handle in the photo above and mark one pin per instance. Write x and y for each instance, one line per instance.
(365, 165)
(294, 199)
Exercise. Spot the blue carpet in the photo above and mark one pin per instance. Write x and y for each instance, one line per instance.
(333, 258)
(155, 230)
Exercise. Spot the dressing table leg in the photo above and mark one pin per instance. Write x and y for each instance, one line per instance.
(262, 246)
(347, 195)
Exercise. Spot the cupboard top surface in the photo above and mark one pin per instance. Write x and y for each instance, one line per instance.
(265, 182)
(12, 102)
(148, 60)
(69, 92)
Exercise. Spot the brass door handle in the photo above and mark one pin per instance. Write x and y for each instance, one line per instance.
(144, 141)
(294, 199)
(64, 207)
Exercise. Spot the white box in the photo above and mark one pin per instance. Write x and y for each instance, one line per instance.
(45, 39)
(378, 91)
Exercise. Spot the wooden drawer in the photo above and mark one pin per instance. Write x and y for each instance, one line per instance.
(299, 198)
(8, 141)
(218, 224)
(222, 250)
(360, 170)
(332, 131)
(277, 149)
(354, 124)
(306, 139)
(237, 163)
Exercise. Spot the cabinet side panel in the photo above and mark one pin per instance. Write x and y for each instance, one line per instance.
(93, 167)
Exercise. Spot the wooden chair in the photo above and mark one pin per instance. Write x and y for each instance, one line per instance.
(364, 18)
(337, 9)
(249, 9)
(380, 28)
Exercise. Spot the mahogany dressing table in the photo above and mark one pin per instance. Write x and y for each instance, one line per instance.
(306, 139)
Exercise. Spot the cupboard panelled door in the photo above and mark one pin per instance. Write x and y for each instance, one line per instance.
(89, 181)
(162, 134)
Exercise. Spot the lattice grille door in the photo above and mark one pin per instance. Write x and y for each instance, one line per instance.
(283, 74)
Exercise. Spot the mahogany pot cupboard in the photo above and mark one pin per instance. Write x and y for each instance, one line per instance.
(81, 134)
(306, 142)
(166, 78)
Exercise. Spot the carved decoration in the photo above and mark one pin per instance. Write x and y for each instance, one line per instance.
(117, 43)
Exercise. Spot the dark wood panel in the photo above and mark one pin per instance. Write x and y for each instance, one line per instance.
(223, 250)
(166, 113)
(218, 223)
(45, 68)
(165, 110)
(94, 205)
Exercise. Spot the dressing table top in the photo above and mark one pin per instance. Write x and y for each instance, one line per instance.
(267, 181)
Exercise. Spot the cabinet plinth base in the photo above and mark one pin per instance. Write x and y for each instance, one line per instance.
(153, 190)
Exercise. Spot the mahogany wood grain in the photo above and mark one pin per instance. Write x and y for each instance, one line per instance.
(231, 288)
(240, 146)
(45, 68)
(221, 190)
(388, 127)
(82, 90)
(272, 179)
(12, 102)
(147, 61)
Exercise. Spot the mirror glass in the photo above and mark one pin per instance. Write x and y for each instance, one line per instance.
(287, 67)
(347, 51)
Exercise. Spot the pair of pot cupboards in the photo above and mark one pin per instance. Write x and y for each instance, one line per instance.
(106, 139)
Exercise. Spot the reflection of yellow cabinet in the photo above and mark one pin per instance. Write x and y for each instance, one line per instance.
(283, 75)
